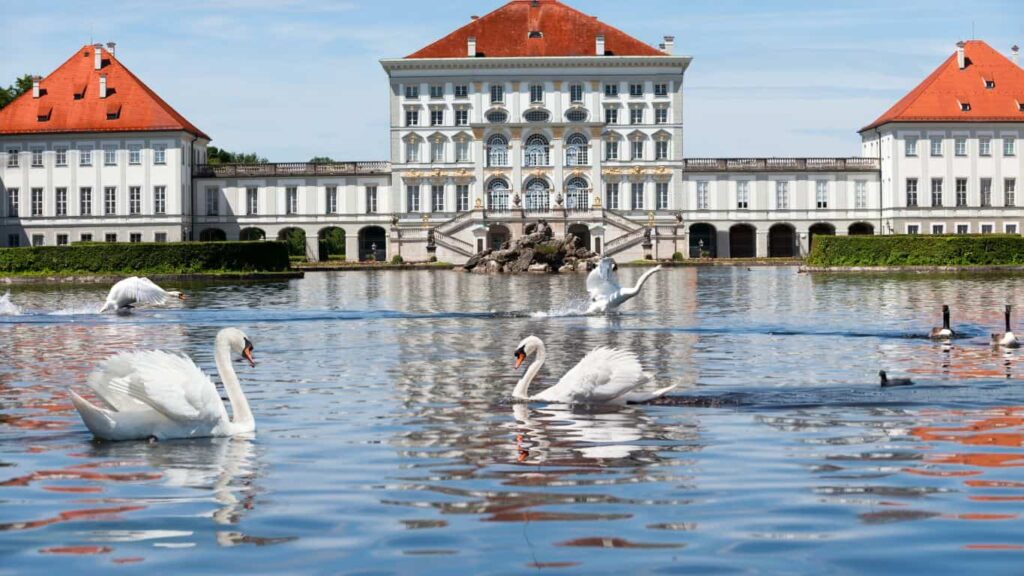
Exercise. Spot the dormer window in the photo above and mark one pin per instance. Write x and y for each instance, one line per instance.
(965, 106)
(43, 113)
(989, 84)
(80, 93)
(536, 34)
(1020, 105)
(113, 111)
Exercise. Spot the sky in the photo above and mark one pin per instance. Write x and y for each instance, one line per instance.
(294, 79)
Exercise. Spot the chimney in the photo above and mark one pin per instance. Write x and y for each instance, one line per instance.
(471, 47)
(1015, 54)
(111, 46)
(670, 45)
(599, 48)
(961, 60)
(97, 50)
(103, 85)
(35, 86)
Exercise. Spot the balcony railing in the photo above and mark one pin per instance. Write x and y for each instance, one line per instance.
(781, 165)
(290, 169)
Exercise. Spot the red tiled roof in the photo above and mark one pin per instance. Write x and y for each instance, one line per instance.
(565, 31)
(140, 108)
(939, 97)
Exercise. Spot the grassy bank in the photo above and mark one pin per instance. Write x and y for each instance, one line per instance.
(917, 251)
(210, 258)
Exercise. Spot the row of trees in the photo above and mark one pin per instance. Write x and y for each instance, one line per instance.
(20, 86)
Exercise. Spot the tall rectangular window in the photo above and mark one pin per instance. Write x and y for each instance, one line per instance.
(412, 152)
(636, 90)
(576, 92)
(159, 200)
(110, 200)
(37, 201)
(412, 117)
(636, 115)
(60, 155)
(661, 115)
(984, 146)
(437, 198)
(462, 198)
(782, 195)
(611, 115)
(961, 192)
(437, 152)
(37, 157)
(212, 201)
(936, 192)
(461, 117)
(252, 201)
(1009, 146)
(638, 195)
(437, 91)
(986, 192)
(860, 194)
(135, 154)
(159, 154)
(371, 199)
(611, 150)
(331, 201)
(1010, 191)
(437, 117)
(85, 157)
(462, 151)
(821, 194)
(910, 146)
(912, 192)
(611, 195)
(703, 195)
(742, 195)
(661, 89)
(497, 93)
(109, 156)
(85, 201)
(12, 202)
(661, 193)
(960, 146)
(412, 198)
(12, 157)
(936, 146)
(611, 90)
(291, 200)
(461, 91)
(412, 91)
(638, 149)
(61, 201)
(134, 200)
(536, 93)
(661, 150)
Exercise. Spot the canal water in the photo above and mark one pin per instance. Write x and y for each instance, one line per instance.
(387, 443)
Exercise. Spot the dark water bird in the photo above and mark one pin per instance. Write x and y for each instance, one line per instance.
(944, 333)
(887, 382)
(1007, 339)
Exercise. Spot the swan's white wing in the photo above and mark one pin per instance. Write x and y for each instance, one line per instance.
(170, 384)
(136, 290)
(601, 282)
(602, 376)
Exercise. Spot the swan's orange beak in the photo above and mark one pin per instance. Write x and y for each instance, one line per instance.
(520, 357)
(247, 354)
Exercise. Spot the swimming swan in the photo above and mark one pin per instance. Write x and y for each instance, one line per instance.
(125, 294)
(164, 396)
(1007, 339)
(605, 293)
(944, 333)
(8, 308)
(604, 376)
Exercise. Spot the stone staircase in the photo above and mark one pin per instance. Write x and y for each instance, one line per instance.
(633, 233)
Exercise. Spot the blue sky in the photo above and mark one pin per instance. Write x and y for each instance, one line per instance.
(292, 79)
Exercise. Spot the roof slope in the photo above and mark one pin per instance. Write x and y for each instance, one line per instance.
(939, 97)
(70, 102)
(565, 31)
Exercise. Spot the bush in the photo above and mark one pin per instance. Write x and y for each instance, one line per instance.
(332, 244)
(138, 258)
(677, 257)
(397, 259)
(959, 250)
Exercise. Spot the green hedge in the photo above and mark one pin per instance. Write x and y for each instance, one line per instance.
(160, 258)
(959, 250)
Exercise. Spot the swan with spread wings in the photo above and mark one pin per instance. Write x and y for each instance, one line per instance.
(130, 292)
(606, 295)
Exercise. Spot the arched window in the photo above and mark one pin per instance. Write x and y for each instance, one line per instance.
(576, 151)
(497, 150)
(497, 195)
(577, 195)
(538, 196)
(537, 151)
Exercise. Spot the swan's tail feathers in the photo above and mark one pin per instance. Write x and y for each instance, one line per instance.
(640, 397)
(96, 419)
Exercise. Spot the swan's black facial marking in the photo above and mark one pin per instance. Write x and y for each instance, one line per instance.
(520, 355)
(247, 353)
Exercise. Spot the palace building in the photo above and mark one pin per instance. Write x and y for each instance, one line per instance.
(533, 111)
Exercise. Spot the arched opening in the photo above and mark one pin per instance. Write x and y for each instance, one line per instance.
(861, 229)
(702, 241)
(295, 238)
(819, 229)
(782, 241)
(538, 196)
(373, 241)
(582, 233)
(497, 150)
(332, 243)
(497, 195)
(497, 236)
(577, 195)
(576, 151)
(252, 235)
(537, 151)
(212, 235)
(742, 241)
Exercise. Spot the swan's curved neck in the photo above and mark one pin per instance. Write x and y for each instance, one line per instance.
(1008, 330)
(241, 414)
(522, 389)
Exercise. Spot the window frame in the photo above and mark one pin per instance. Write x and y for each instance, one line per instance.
(60, 201)
(134, 200)
(110, 200)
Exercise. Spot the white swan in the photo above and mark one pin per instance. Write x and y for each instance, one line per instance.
(605, 293)
(1008, 339)
(604, 376)
(8, 308)
(159, 395)
(125, 294)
